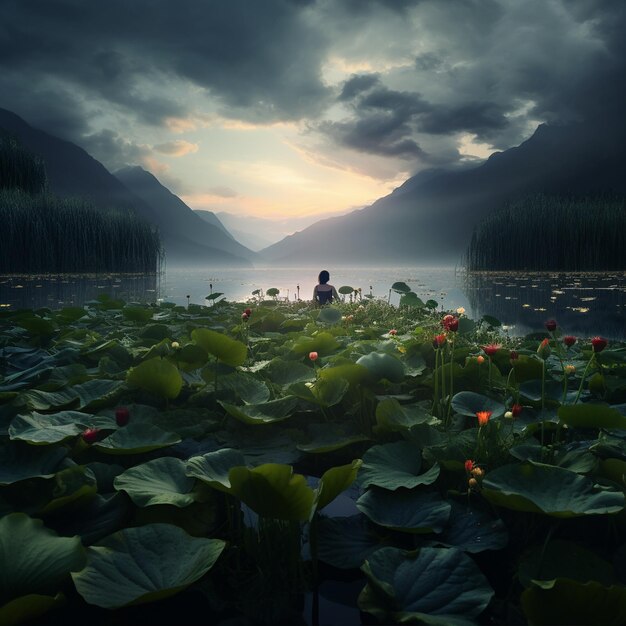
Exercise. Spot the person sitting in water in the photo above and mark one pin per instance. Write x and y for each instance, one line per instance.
(323, 293)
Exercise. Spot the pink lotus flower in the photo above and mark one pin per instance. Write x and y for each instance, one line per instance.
(313, 356)
(393, 332)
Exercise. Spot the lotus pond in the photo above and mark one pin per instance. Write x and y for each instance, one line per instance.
(260, 463)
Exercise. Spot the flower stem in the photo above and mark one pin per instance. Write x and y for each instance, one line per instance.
(582, 381)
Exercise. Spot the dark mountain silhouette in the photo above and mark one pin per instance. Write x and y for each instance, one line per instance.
(73, 172)
(430, 218)
(174, 215)
(211, 218)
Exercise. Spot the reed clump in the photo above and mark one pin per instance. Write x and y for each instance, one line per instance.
(42, 233)
(551, 233)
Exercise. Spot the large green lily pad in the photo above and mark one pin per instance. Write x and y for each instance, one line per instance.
(273, 490)
(264, 413)
(548, 489)
(430, 586)
(20, 461)
(45, 429)
(382, 365)
(469, 403)
(412, 511)
(213, 468)
(35, 563)
(225, 349)
(336, 480)
(136, 438)
(591, 416)
(144, 564)
(391, 416)
(160, 481)
(395, 465)
(156, 376)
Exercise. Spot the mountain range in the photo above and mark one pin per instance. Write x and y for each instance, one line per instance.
(427, 220)
(430, 218)
(71, 171)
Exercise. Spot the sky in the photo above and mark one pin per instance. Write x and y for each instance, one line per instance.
(299, 109)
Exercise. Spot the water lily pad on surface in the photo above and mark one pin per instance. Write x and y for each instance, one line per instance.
(469, 403)
(548, 489)
(213, 468)
(21, 461)
(438, 586)
(35, 564)
(144, 564)
(135, 439)
(264, 413)
(222, 347)
(156, 376)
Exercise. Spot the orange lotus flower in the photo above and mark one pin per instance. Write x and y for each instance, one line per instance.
(483, 417)
(480, 359)
(438, 341)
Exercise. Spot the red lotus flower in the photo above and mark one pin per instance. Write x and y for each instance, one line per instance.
(550, 325)
(393, 332)
(122, 416)
(469, 465)
(91, 435)
(313, 356)
(569, 340)
(483, 417)
(248, 312)
(514, 355)
(516, 409)
(599, 343)
(491, 349)
(438, 341)
(450, 323)
(245, 316)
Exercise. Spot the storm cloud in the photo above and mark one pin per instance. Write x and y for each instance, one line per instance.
(402, 80)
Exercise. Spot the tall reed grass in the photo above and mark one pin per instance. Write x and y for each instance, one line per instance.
(552, 233)
(46, 234)
(19, 169)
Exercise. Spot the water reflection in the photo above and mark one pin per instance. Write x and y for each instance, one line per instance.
(57, 291)
(582, 303)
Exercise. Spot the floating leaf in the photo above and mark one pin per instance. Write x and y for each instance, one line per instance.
(547, 489)
(395, 465)
(336, 480)
(156, 376)
(391, 416)
(264, 413)
(400, 287)
(469, 403)
(590, 415)
(431, 586)
(227, 350)
(35, 563)
(135, 439)
(329, 315)
(382, 365)
(39, 428)
(160, 481)
(213, 468)
(144, 564)
(273, 490)
(22, 461)
(412, 511)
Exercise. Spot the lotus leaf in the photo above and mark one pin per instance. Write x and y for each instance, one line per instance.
(284, 372)
(411, 299)
(140, 315)
(400, 287)
(395, 465)
(144, 564)
(391, 416)
(411, 511)
(329, 315)
(345, 542)
(548, 489)
(382, 365)
(19, 461)
(35, 563)
(336, 480)
(273, 490)
(469, 403)
(323, 343)
(431, 586)
(354, 374)
(39, 428)
(264, 413)
(590, 415)
(563, 602)
(213, 468)
(156, 376)
(68, 486)
(325, 438)
(136, 438)
(223, 348)
(160, 481)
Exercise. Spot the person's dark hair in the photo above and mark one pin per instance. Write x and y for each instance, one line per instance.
(324, 277)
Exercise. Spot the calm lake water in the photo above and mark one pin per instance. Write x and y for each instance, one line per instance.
(583, 304)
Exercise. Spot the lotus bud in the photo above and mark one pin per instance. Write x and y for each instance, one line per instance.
(122, 416)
